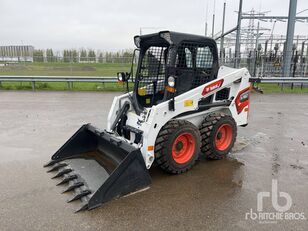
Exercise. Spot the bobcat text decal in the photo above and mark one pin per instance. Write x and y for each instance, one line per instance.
(212, 87)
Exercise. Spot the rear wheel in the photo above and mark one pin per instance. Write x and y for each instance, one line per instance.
(177, 146)
(218, 132)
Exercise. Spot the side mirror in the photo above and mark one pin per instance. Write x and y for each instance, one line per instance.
(123, 77)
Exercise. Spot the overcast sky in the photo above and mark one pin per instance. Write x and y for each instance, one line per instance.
(111, 24)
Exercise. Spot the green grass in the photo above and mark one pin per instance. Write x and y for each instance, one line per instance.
(89, 69)
(275, 88)
(65, 69)
(60, 86)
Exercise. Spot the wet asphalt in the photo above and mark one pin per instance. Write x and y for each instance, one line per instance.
(214, 195)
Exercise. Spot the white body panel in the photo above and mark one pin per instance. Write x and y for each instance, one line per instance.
(154, 118)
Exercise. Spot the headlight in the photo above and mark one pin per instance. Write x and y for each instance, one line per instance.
(120, 77)
(171, 81)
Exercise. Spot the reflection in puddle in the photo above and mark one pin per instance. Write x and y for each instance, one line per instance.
(220, 179)
(242, 142)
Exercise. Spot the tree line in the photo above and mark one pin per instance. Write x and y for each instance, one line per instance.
(82, 56)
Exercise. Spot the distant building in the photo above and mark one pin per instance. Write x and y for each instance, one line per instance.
(16, 53)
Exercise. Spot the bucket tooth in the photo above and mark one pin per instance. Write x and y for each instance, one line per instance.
(67, 179)
(57, 166)
(61, 173)
(50, 163)
(73, 186)
(79, 195)
(82, 208)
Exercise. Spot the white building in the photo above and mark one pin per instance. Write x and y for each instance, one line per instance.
(16, 53)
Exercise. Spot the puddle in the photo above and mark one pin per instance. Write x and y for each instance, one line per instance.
(243, 142)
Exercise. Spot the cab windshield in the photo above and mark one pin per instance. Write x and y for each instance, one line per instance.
(150, 78)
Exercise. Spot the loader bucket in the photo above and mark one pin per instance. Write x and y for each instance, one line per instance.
(98, 167)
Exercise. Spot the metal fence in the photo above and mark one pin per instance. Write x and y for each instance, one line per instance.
(106, 58)
(302, 81)
(68, 79)
(267, 60)
(258, 62)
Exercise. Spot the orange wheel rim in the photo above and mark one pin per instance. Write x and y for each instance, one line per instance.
(183, 148)
(223, 137)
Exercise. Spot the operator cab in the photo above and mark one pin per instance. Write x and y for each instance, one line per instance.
(171, 64)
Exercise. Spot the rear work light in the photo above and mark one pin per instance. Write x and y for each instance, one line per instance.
(166, 35)
(137, 41)
(244, 96)
(242, 100)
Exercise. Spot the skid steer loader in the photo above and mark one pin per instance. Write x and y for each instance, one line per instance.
(182, 105)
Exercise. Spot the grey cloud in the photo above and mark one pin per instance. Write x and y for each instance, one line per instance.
(110, 25)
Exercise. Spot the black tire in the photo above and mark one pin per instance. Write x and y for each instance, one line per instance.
(165, 141)
(209, 134)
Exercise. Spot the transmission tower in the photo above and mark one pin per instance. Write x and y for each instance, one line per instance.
(250, 31)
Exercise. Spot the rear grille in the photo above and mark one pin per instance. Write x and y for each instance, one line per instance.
(223, 94)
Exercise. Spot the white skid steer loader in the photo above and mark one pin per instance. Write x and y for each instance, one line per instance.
(182, 105)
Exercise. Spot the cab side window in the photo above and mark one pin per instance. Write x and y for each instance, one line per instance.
(204, 58)
(184, 58)
(191, 55)
(188, 57)
(194, 65)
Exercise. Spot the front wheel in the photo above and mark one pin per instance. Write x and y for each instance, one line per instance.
(177, 146)
(218, 132)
